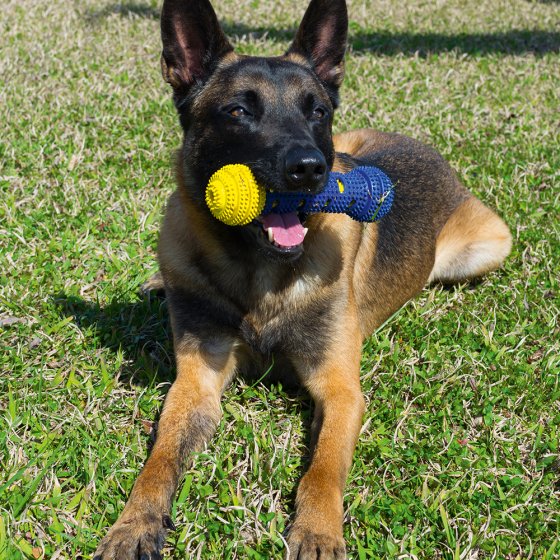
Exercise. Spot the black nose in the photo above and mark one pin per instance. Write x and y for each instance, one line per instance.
(305, 168)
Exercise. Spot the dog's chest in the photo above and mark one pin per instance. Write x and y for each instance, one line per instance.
(291, 322)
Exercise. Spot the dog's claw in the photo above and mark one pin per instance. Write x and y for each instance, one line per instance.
(134, 538)
(306, 545)
(168, 524)
(153, 286)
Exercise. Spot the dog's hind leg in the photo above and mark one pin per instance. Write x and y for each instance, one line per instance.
(189, 418)
(473, 241)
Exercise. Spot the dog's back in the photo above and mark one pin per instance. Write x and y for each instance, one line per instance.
(437, 230)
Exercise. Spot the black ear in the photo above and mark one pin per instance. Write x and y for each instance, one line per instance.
(321, 38)
(193, 42)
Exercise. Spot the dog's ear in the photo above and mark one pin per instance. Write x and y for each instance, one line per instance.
(321, 38)
(193, 42)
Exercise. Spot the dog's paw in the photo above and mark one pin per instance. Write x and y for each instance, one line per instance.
(153, 286)
(135, 538)
(307, 545)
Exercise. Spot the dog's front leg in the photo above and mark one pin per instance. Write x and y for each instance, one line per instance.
(190, 415)
(339, 406)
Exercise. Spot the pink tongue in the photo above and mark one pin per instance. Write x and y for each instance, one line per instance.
(287, 228)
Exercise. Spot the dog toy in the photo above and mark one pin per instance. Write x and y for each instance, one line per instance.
(234, 197)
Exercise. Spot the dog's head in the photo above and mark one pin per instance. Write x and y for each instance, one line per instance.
(272, 114)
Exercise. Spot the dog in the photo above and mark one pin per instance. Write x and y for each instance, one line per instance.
(239, 295)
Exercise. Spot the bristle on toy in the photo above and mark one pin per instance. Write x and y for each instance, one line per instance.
(234, 197)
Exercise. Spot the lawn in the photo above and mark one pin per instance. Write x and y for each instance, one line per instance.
(458, 456)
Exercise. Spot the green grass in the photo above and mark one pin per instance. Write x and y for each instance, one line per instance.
(458, 457)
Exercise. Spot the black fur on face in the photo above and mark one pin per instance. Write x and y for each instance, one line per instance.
(246, 109)
(253, 112)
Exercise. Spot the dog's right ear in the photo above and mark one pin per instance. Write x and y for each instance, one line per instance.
(193, 42)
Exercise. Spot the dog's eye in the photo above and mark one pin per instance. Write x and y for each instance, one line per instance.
(238, 112)
(318, 114)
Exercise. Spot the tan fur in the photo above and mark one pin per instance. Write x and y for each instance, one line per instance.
(350, 142)
(191, 413)
(362, 141)
(297, 59)
(339, 406)
(474, 241)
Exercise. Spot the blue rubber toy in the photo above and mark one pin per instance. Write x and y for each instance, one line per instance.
(365, 194)
(234, 197)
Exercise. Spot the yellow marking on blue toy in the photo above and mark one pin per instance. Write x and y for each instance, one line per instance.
(340, 185)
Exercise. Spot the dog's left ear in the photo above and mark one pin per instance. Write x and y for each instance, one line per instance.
(321, 38)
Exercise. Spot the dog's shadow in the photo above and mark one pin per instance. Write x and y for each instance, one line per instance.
(140, 330)
(382, 42)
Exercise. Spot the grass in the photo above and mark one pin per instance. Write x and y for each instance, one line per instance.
(458, 457)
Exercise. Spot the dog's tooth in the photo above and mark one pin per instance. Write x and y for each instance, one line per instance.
(305, 230)
(270, 234)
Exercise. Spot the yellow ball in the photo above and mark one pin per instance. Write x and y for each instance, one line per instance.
(233, 195)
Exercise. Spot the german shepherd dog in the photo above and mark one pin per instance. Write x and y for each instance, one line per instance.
(306, 296)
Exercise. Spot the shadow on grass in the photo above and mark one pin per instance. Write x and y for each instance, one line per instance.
(515, 41)
(140, 330)
(124, 9)
(386, 43)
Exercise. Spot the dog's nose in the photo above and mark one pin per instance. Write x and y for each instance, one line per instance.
(305, 168)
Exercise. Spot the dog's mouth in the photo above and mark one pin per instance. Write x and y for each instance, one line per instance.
(284, 231)
(281, 236)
